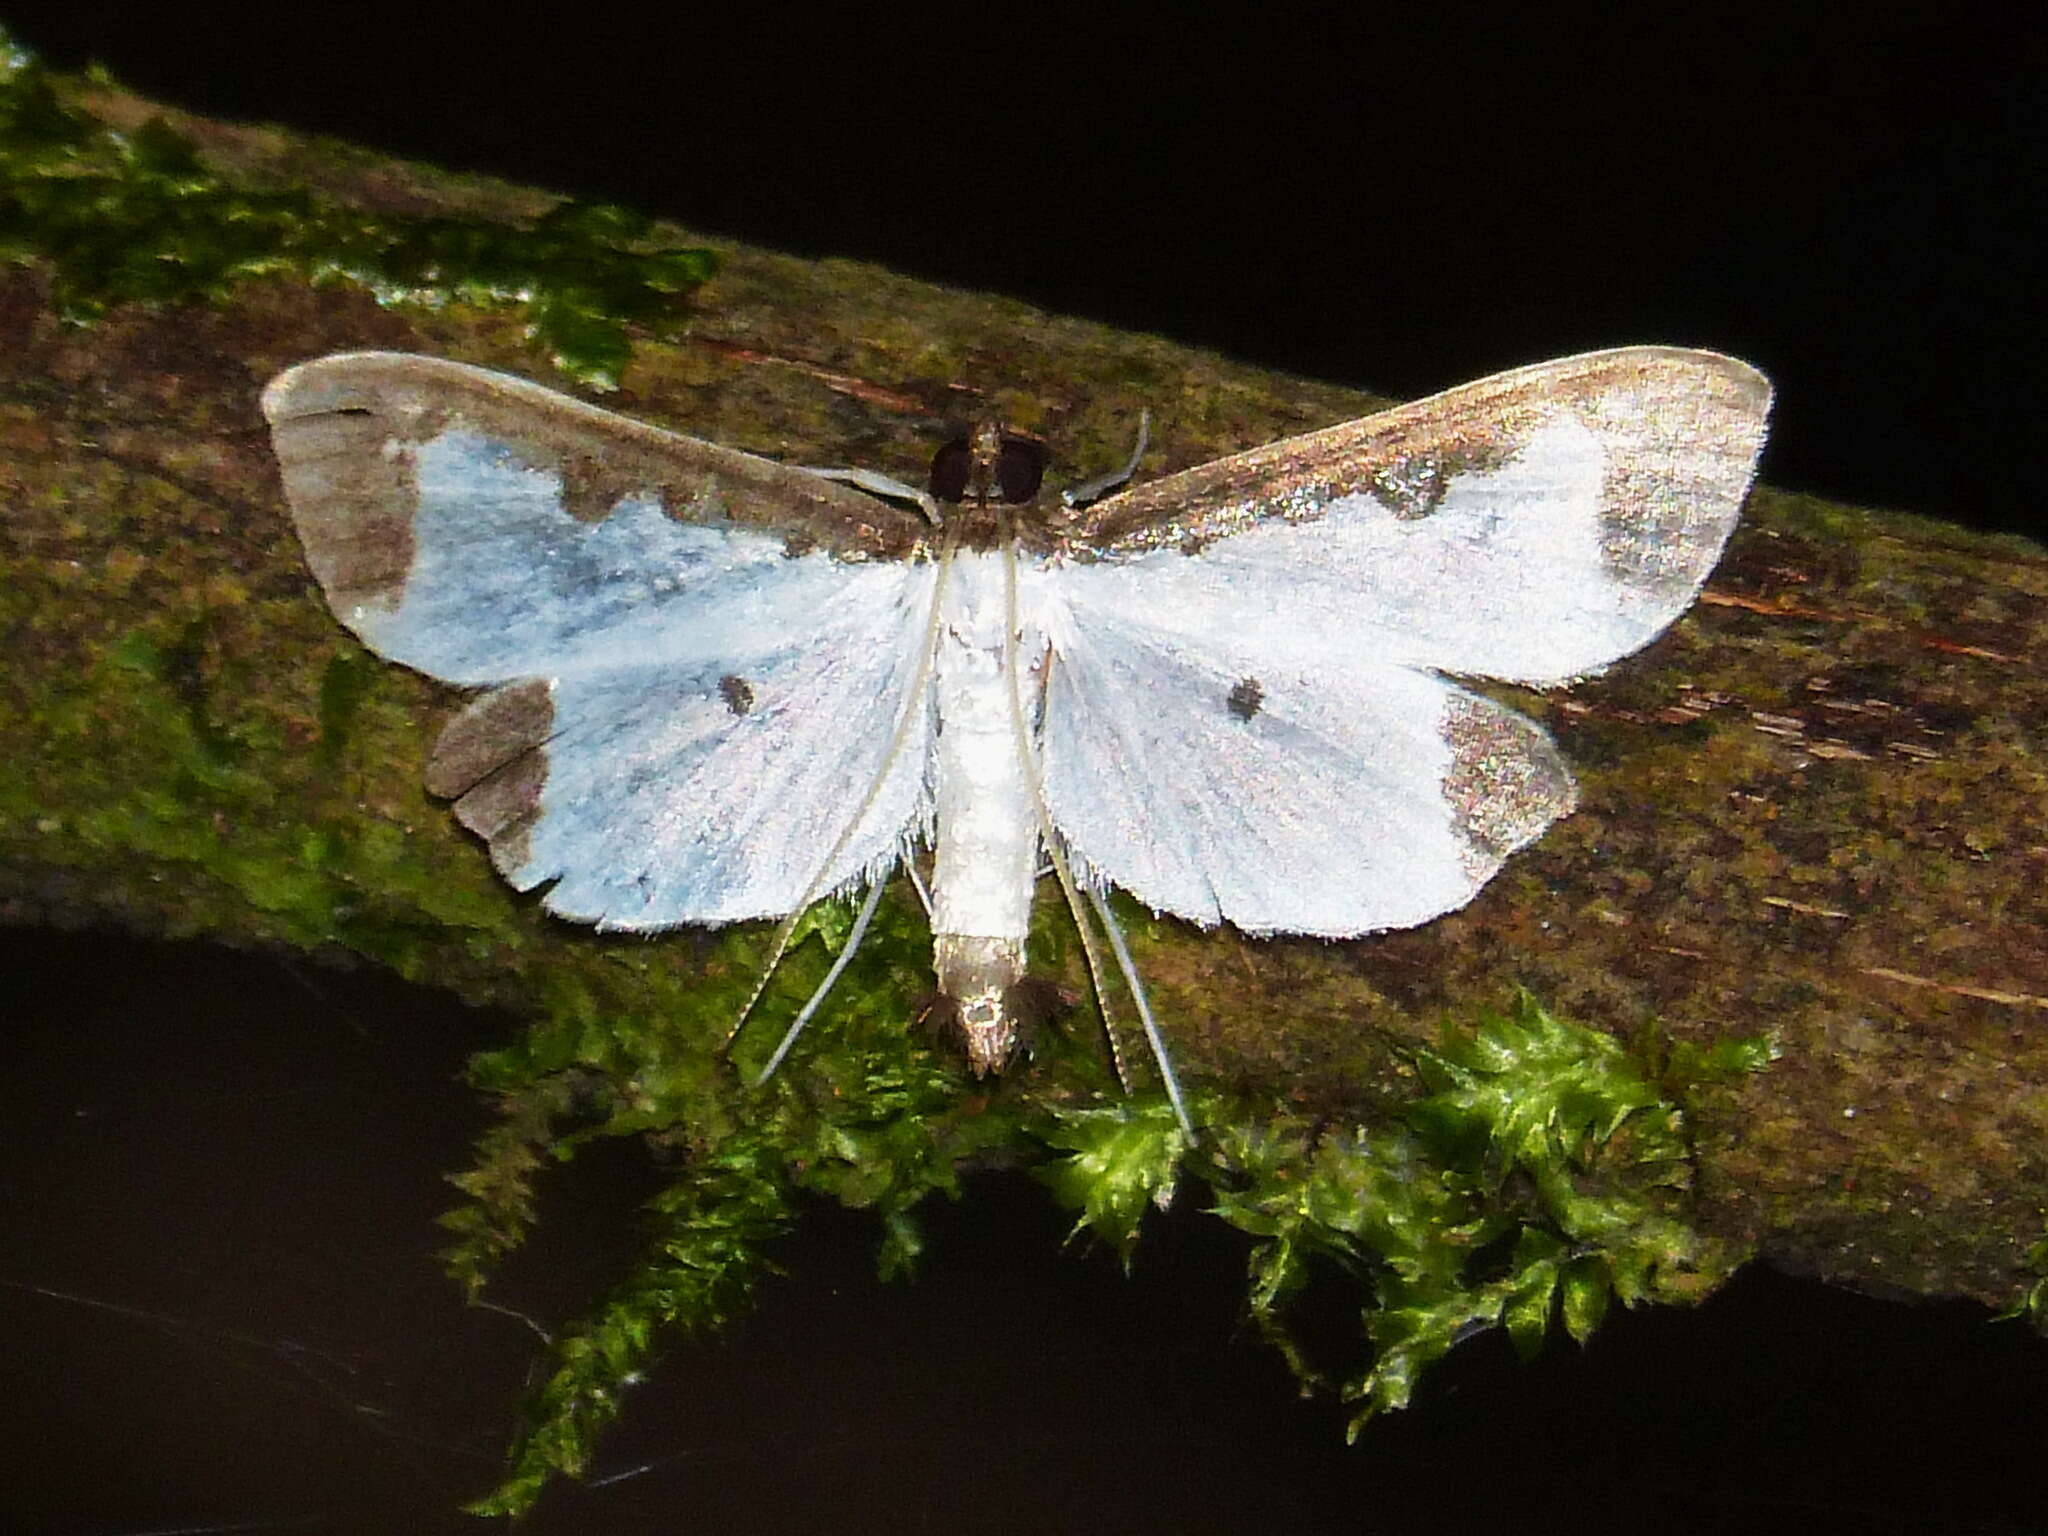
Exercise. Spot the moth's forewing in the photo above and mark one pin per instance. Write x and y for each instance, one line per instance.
(347, 428)
(690, 651)
(1679, 432)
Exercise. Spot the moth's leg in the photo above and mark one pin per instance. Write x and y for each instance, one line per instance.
(1027, 744)
(1144, 1007)
(920, 885)
(888, 487)
(1102, 485)
(846, 953)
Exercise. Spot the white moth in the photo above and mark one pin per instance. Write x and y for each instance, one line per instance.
(720, 688)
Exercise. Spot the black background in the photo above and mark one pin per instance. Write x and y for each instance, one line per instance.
(234, 1164)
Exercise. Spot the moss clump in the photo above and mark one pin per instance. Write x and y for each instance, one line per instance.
(2033, 1302)
(1539, 1176)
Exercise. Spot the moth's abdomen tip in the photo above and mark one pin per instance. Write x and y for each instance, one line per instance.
(979, 975)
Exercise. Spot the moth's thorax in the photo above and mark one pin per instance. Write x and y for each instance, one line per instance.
(1039, 529)
(986, 858)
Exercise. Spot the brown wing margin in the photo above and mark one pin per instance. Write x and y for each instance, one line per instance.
(342, 426)
(1679, 416)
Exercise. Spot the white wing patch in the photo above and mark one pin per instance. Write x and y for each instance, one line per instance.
(1251, 730)
(1228, 781)
(505, 583)
(715, 708)
(664, 803)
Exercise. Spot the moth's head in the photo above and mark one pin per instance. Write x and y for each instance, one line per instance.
(983, 464)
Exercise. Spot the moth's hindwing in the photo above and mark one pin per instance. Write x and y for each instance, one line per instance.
(1230, 782)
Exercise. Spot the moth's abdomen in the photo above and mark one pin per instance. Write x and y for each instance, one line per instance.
(986, 860)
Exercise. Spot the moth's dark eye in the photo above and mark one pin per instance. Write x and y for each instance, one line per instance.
(951, 466)
(1020, 466)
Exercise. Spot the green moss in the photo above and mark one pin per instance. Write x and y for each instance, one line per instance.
(170, 762)
(1115, 1161)
(2033, 1302)
(139, 217)
(1538, 1177)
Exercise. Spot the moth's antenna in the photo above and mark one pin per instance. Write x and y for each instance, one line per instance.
(885, 487)
(846, 952)
(1029, 757)
(913, 701)
(1094, 490)
(1144, 1007)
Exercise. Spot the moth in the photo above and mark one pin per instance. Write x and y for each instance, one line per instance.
(715, 687)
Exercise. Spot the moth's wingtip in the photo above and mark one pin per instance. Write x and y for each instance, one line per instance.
(1748, 380)
(274, 402)
(1739, 392)
(320, 384)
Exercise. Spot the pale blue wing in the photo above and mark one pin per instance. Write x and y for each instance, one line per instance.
(505, 583)
(663, 793)
(1230, 781)
(1245, 719)
(701, 663)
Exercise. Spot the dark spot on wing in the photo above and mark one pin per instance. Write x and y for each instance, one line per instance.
(1246, 698)
(1412, 487)
(737, 693)
(588, 493)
